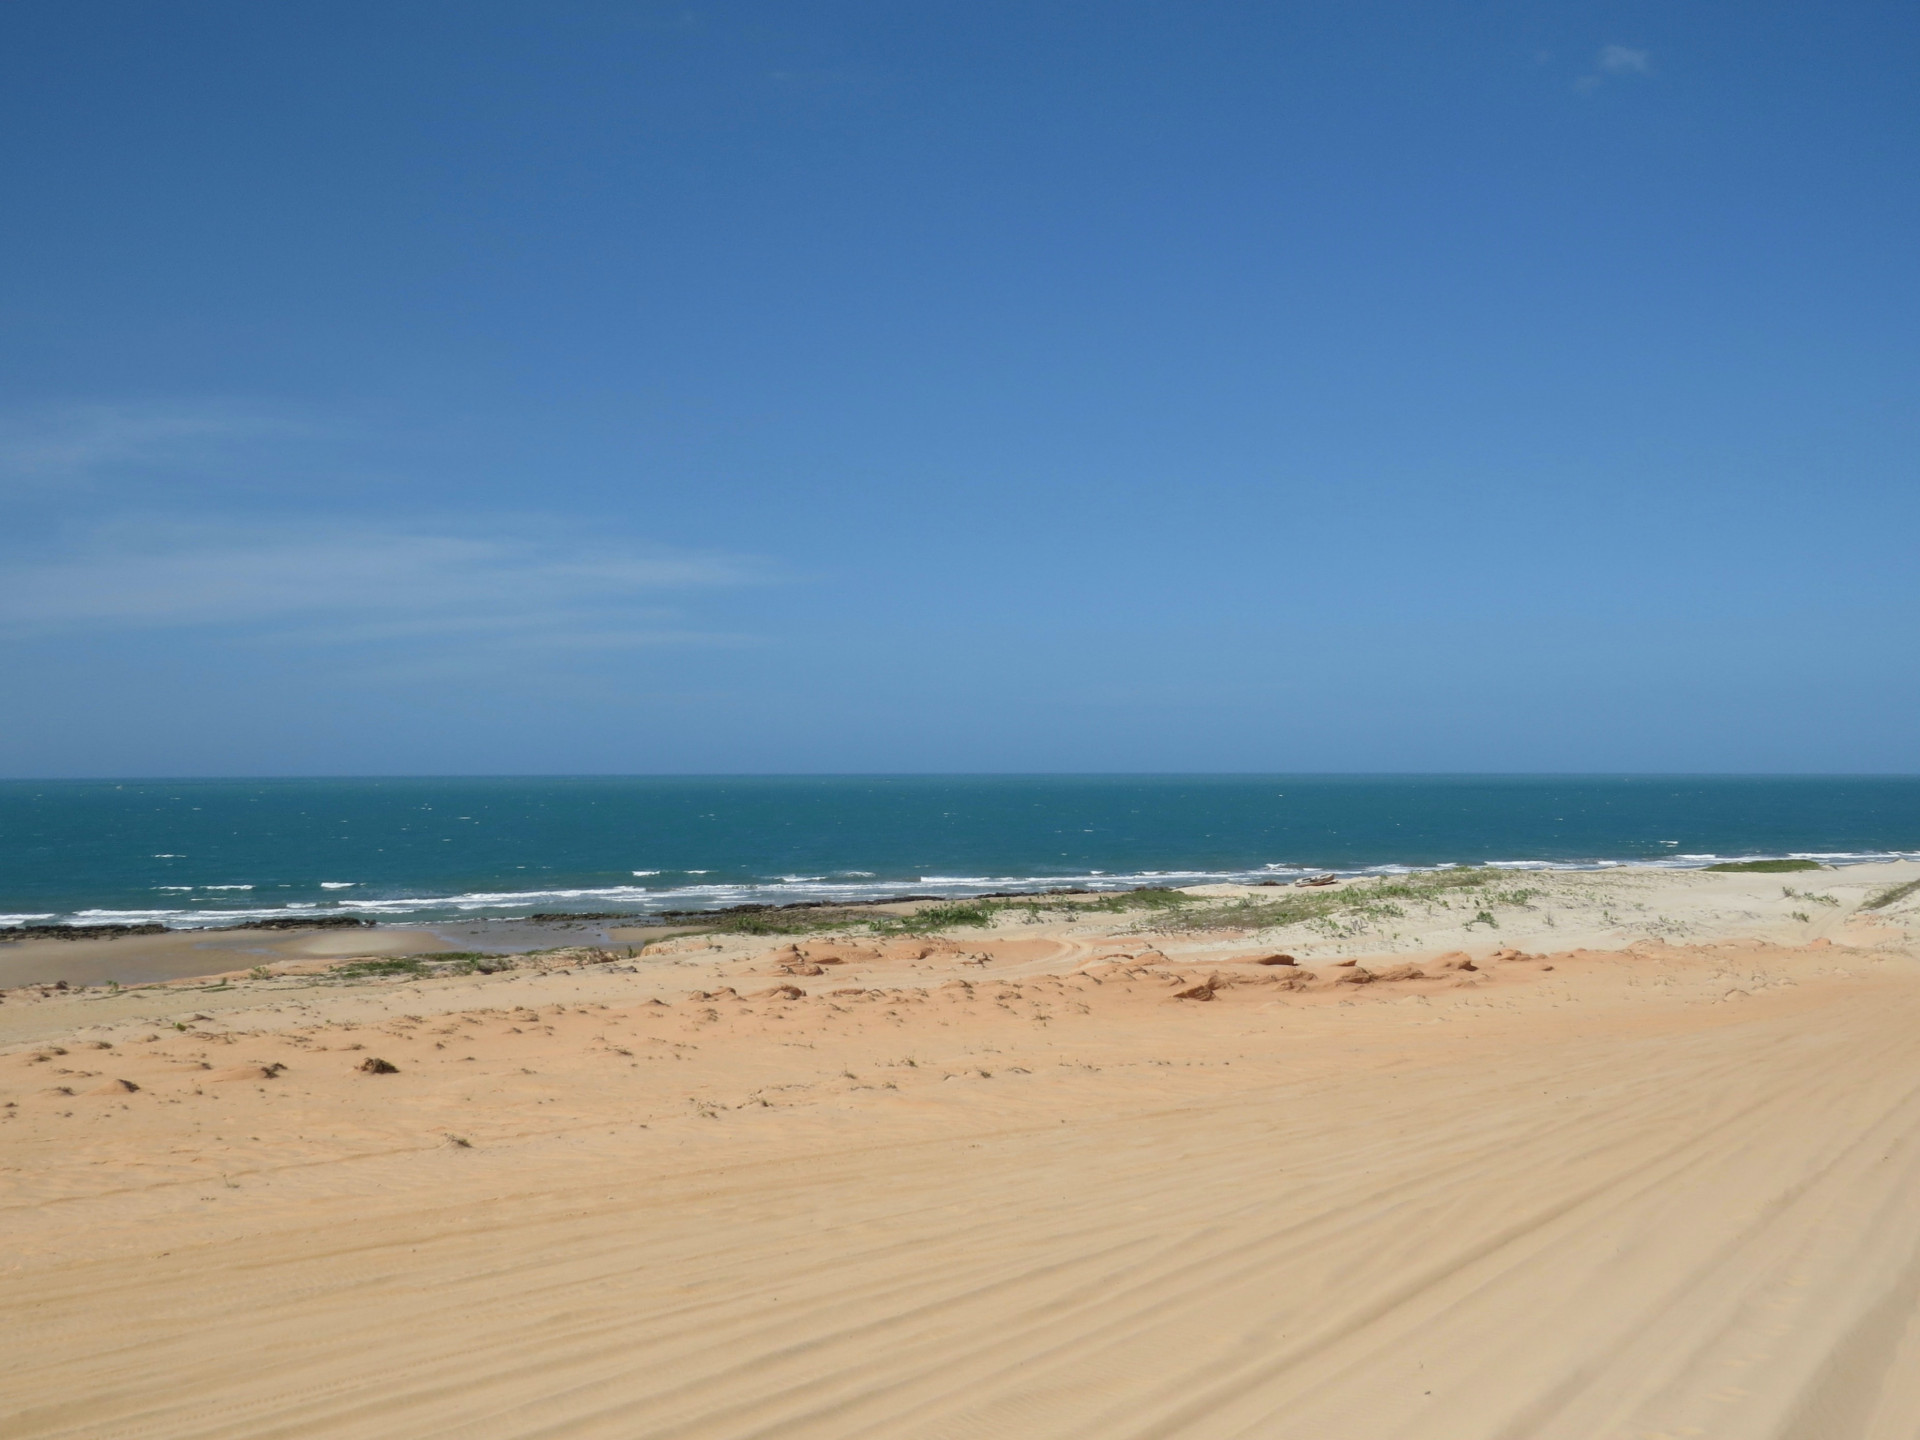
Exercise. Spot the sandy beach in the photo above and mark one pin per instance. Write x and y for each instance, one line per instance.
(1633, 1153)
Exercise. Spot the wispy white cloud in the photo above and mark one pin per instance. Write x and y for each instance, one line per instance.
(1615, 61)
(520, 584)
(61, 444)
(1619, 60)
(124, 526)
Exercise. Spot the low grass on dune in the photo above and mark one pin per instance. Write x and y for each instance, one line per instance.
(1892, 895)
(1164, 910)
(1381, 899)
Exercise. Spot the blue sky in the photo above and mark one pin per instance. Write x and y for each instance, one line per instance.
(583, 387)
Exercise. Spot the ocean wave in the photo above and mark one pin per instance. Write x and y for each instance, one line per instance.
(846, 887)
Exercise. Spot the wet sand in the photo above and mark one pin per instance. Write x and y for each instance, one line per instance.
(183, 954)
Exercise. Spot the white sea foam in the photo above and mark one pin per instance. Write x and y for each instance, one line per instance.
(127, 917)
(1852, 857)
(844, 887)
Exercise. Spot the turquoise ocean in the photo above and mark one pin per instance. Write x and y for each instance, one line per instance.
(214, 852)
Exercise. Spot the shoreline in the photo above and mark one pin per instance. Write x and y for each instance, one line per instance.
(777, 893)
(142, 956)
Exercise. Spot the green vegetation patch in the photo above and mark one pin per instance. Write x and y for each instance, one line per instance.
(1148, 897)
(1424, 884)
(1115, 902)
(1350, 905)
(1165, 909)
(1763, 867)
(1893, 894)
(468, 962)
(439, 962)
(779, 922)
(1251, 914)
(369, 969)
(927, 920)
(985, 913)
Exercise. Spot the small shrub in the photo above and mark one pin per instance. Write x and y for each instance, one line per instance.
(1763, 867)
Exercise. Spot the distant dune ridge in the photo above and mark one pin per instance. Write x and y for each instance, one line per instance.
(1633, 1153)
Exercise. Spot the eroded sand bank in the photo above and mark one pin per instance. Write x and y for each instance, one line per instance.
(1006, 1182)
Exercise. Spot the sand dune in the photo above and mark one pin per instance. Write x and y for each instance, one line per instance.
(991, 1186)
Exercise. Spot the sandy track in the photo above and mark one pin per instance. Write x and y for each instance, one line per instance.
(1578, 1204)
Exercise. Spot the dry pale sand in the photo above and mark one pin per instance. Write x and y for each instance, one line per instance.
(1001, 1185)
